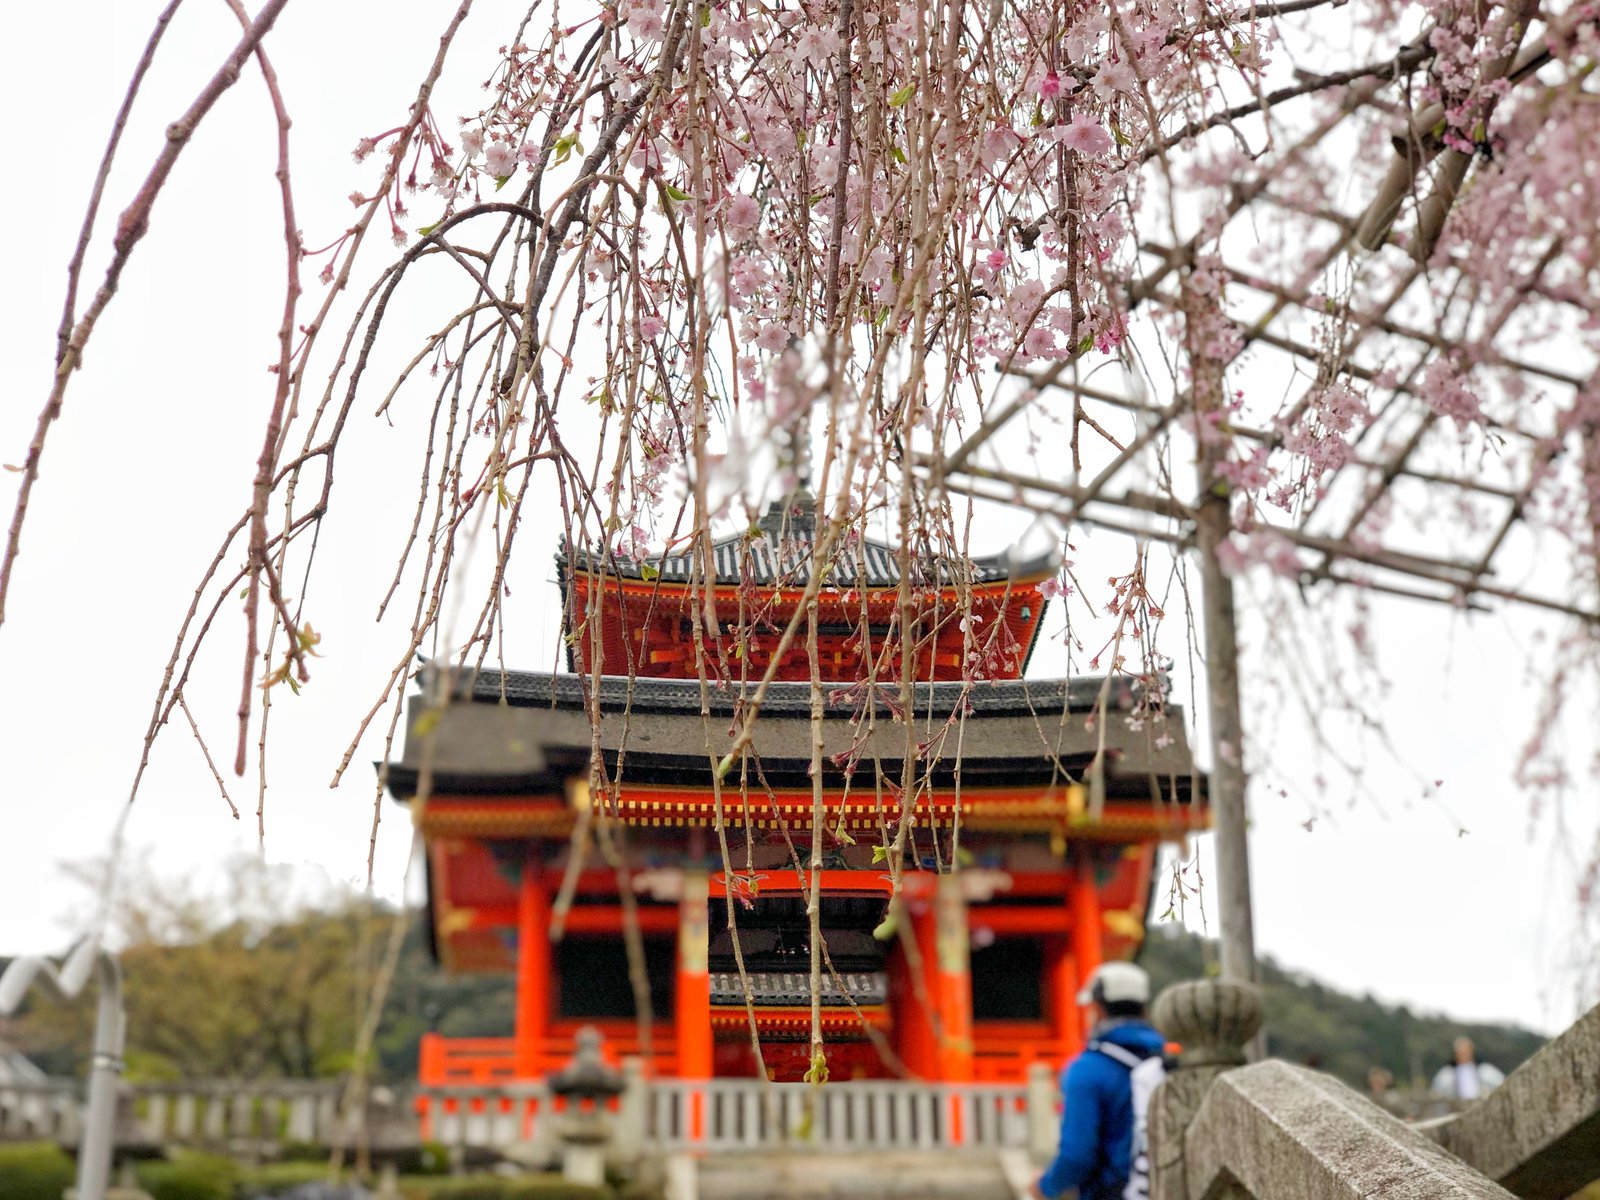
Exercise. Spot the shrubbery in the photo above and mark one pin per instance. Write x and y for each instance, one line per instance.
(41, 1171)
(34, 1171)
(190, 1177)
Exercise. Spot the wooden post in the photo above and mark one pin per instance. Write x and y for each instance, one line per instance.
(915, 1041)
(953, 980)
(1213, 525)
(1064, 981)
(533, 971)
(1087, 947)
(951, 992)
(1230, 818)
(692, 1002)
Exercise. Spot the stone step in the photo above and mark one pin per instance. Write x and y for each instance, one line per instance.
(926, 1175)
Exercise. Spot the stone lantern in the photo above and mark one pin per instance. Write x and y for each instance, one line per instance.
(585, 1128)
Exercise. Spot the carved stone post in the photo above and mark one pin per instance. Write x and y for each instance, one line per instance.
(1213, 1020)
(632, 1124)
(1044, 1119)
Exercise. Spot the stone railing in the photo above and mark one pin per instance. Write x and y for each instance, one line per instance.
(1221, 1130)
(45, 1111)
(748, 1114)
(670, 1115)
(1539, 1132)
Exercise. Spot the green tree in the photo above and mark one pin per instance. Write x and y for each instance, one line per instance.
(268, 979)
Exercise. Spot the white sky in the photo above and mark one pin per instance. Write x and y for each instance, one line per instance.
(152, 459)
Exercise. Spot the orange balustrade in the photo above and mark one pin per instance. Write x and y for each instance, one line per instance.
(476, 1061)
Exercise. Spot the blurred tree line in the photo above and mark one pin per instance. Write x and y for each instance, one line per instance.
(273, 977)
(1311, 1023)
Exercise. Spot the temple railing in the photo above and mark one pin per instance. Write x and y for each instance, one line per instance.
(664, 1115)
(45, 1110)
(487, 1060)
(745, 1114)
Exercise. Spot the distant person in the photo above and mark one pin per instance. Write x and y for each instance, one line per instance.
(1380, 1089)
(1380, 1082)
(1466, 1078)
(1105, 1092)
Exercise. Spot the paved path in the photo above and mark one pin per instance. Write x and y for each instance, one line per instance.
(930, 1175)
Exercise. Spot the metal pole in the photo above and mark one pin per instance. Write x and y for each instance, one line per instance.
(95, 1149)
(95, 1146)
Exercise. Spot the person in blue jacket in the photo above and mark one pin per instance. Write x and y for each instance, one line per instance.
(1097, 1116)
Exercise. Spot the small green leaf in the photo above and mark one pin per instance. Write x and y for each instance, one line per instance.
(886, 929)
(427, 229)
(1122, 139)
(501, 495)
(818, 1073)
(880, 853)
(501, 182)
(648, 573)
(898, 99)
(705, 16)
(678, 193)
(898, 155)
(426, 722)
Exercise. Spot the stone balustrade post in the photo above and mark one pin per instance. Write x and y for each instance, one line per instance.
(1212, 1020)
(631, 1129)
(1044, 1117)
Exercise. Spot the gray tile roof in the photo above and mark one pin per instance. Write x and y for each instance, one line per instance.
(779, 551)
(517, 730)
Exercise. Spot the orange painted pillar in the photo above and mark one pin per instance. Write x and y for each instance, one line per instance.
(1087, 947)
(1065, 1016)
(915, 1041)
(951, 992)
(533, 972)
(953, 980)
(692, 1001)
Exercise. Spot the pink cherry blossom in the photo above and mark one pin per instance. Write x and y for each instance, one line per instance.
(773, 338)
(1040, 342)
(742, 217)
(646, 21)
(1085, 135)
(999, 144)
(499, 159)
(651, 327)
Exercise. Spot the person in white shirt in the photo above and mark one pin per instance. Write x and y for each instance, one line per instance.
(1466, 1078)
